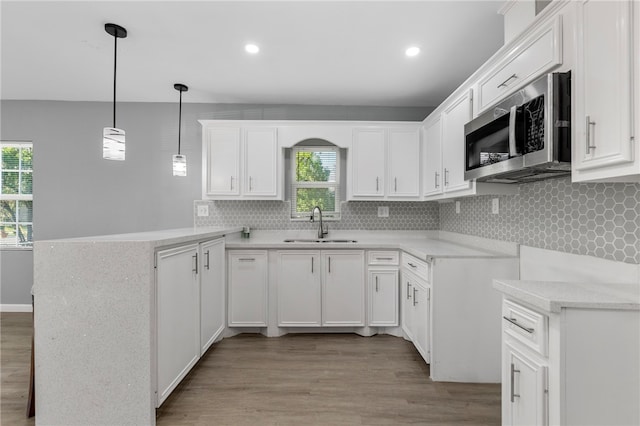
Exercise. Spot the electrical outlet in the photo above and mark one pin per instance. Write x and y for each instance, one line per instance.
(203, 211)
(457, 207)
(495, 205)
(383, 211)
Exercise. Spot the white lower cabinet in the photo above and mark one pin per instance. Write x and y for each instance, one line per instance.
(383, 297)
(320, 288)
(416, 312)
(177, 316)
(247, 285)
(212, 292)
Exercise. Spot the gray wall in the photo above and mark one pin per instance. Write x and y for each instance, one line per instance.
(77, 193)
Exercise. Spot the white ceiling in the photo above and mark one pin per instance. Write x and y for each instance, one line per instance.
(312, 52)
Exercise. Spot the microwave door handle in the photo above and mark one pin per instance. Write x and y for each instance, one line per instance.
(512, 132)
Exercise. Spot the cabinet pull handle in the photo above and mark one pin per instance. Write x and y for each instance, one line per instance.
(513, 381)
(411, 264)
(246, 259)
(207, 264)
(446, 177)
(589, 123)
(377, 187)
(231, 184)
(515, 322)
(429, 294)
(436, 179)
(329, 264)
(195, 262)
(312, 264)
(376, 283)
(504, 83)
(408, 293)
(415, 300)
(384, 258)
(395, 184)
(250, 183)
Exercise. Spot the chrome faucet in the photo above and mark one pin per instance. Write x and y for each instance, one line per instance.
(321, 231)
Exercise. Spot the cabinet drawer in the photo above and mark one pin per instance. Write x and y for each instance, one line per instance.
(415, 265)
(383, 257)
(527, 61)
(525, 325)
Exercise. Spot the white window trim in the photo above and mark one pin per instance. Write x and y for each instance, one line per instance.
(328, 216)
(18, 197)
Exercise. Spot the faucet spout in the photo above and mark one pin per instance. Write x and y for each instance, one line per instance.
(321, 232)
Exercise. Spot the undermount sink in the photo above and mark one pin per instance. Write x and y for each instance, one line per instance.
(319, 241)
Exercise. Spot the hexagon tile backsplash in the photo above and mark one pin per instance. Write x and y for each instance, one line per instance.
(596, 219)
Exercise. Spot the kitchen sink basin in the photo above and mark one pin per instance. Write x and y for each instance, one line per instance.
(319, 241)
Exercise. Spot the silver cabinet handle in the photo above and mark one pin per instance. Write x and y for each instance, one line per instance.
(411, 264)
(504, 83)
(246, 259)
(376, 283)
(395, 184)
(207, 264)
(436, 179)
(588, 145)
(384, 258)
(231, 183)
(377, 187)
(329, 264)
(312, 264)
(515, 322)
(415, 300)
(250, 183)
(514, 395)
(446, 177)
(195, 262)
(408, 293)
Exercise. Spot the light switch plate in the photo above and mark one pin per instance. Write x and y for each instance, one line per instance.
(495, 205)
(203, 211)
(383, 211)
(457, 207)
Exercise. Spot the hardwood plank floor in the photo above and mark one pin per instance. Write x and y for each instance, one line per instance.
(298, 379)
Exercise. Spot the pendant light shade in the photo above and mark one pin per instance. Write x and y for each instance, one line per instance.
(180, 161)
(113, 139)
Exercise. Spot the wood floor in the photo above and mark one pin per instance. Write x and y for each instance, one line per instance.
(328, 379)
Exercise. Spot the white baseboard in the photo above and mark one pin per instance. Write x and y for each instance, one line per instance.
(16, 308)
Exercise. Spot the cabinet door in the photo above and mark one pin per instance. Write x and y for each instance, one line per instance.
(383, 300)
(212, 292)
(248, 277)
(432, 158)
(343, 288)
(421, 319)
(603, 124)
(523, 389)
(404, 163)
(406, 284)
(453, 120)
(261, 156)
(368, 163)
(223, 161)
(177, 316)
(299, 288)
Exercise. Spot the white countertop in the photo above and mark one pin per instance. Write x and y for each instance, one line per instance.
(553, 296)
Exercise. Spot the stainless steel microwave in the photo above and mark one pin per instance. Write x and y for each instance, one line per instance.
(524, 138)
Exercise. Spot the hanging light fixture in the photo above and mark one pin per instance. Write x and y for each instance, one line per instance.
(113, 141)
(180, 161)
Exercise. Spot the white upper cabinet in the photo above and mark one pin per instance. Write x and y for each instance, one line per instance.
(604, 105)
(368, 163)
(385, 163)
(241, 163)
(432, 157)
(404, 163)
(454, 117)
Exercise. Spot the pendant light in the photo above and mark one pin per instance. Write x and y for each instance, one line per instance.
(113, 141)
(180, 161)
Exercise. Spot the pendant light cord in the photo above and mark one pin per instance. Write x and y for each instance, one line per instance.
(115, 66)
(179, 122)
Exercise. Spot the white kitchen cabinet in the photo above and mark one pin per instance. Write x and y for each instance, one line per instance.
(343, 288)
(407, 282)
(605, 146)
(212, 270)
(241, 163)
(299, 284)
(416, 304)
(385, 164)
(432, 157)
(247, 286)
(524, 387)
(454, 117)
(382, 278)
(177, 316)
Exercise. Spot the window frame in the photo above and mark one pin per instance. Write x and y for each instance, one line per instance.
(328, 216)
(20, 196)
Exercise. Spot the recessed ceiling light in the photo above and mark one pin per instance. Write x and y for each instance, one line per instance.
(412, 51)
(251, 48)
